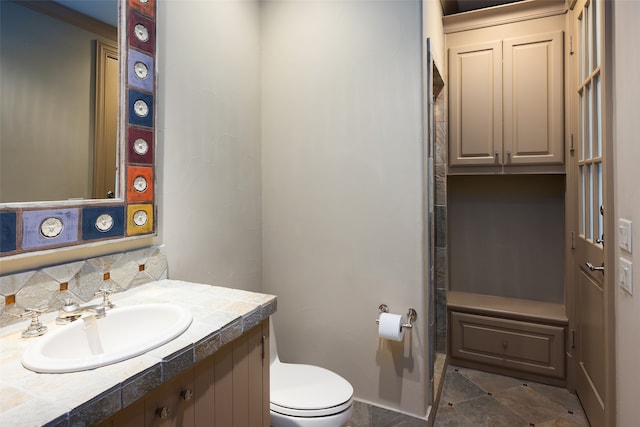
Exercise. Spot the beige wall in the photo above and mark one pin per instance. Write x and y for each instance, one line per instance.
(627, 195)
(342, 189)
(208, 129)
(432, 28)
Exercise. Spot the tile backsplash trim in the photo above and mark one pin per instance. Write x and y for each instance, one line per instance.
(50, 286)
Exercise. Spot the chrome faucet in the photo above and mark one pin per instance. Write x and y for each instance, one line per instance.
(71, 311)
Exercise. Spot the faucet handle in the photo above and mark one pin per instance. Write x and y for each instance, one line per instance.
(69, 305)
(106, 302)
(35, 328)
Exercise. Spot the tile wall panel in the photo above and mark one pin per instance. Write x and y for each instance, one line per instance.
(50, 286)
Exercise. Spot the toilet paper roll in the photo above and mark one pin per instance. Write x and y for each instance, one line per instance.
(390, 327)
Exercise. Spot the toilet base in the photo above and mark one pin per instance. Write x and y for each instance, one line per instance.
(335, 420)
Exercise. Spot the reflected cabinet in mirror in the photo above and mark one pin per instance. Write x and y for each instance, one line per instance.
(77, 132)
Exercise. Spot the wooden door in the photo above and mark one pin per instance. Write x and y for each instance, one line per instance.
(105, 148)
(475, 104)
(592, 169)
(533, 94)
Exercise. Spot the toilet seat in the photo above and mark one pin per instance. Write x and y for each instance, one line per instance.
(308, 391)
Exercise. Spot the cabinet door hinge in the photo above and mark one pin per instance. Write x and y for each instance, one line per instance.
(570, 45)
(573, 240)
(264, 338)
(572, 150)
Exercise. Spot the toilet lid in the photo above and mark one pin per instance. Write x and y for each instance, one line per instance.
(308, 388)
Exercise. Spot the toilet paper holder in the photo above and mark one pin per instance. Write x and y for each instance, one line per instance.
(412, 315)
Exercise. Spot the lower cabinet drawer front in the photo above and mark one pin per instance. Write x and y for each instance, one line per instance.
(528, 347)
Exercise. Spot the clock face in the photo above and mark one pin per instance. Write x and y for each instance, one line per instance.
(141, 32)
(51, 227)
(141, 70)
(141, 108)
(140, 184)
(140, 218)
(104, 222)
(140, 146)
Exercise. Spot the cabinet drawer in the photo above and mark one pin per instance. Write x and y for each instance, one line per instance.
(512, 344)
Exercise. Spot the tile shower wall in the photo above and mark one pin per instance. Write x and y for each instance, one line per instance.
(441, 266)
(50, 286)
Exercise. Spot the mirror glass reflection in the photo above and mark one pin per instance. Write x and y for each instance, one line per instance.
(59, 78)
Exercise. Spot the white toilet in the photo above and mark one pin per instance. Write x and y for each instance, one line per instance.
(306, 395)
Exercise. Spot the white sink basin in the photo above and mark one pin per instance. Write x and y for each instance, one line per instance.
(88, 343)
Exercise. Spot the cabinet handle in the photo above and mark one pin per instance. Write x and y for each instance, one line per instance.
(508, 156)
(497, 157)
(186, 394)
(162, 412)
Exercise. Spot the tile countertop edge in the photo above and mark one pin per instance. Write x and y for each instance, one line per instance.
(236, 311)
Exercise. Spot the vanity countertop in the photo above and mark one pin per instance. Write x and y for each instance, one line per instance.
(220, 315)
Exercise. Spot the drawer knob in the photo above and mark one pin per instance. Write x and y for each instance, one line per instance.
(505, 344)
(186, 394)
(162, 412)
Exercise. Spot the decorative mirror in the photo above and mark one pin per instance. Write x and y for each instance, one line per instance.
(118, 200)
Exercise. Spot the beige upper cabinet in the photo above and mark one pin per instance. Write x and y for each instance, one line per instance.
(533, 87)
(475, 104)
(506, 102)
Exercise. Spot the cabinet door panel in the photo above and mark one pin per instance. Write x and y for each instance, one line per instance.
(204, 392)
(533, 99)
(131, 416)
(248, 391)
(513, 344)
(223, 392)
(240, 383)
(257, 357)
(172, 403)
(475, 104)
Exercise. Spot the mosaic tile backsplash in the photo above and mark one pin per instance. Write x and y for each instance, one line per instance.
(51, 286)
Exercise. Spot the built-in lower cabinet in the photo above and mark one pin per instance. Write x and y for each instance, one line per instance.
(522, 338)
(228, 389)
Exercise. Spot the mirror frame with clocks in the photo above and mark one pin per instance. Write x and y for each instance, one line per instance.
(39, 226)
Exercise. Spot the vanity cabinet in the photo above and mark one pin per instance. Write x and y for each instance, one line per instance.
(228, 389)
(171, 404)
(506, 98)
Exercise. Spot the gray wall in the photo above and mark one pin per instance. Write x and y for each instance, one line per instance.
(208, 130)
(626, 92)
(342, 189)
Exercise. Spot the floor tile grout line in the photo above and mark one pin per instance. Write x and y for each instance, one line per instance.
(557, 402)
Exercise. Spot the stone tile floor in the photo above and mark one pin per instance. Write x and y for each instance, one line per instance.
(473, 398)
